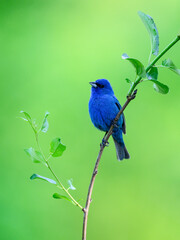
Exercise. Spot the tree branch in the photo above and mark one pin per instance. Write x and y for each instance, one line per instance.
(102, 146)
(153, 62)
(131, 95)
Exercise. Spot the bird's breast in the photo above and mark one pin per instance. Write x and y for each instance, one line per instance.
(102, 112)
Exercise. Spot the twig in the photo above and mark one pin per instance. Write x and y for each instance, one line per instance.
(59, 184)
(62, 187)
(153, 63)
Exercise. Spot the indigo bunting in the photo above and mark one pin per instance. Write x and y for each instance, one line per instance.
(103, 108)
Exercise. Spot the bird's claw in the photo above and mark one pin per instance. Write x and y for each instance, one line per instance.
(133, 95)
(104, 143)
(114, 123)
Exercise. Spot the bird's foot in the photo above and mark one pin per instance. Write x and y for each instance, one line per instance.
(104, 143)
(133, 95)
(114, 123)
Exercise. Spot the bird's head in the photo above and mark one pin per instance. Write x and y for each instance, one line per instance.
(101, 86)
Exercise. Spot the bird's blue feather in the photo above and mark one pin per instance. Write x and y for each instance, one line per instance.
(103, 108)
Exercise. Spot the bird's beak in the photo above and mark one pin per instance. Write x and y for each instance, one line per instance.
(93, 84)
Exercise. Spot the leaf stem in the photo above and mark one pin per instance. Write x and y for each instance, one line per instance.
(53, 173)
(63, 188)
(37, 141)
(153, 62)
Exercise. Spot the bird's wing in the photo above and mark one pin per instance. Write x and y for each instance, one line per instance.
(124, 122)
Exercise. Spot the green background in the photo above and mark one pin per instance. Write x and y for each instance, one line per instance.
(50, 50)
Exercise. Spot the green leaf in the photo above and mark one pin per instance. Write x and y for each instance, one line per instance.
(35, 156)
(153, 32)
(128, 80)
(45, 124)
(159, 87)
(169, 64)
(27, 116)
(57, 148)
(58, 196)
(71, 185)
(29, 120)
(36, 176)
(140, 70)
(152, 74)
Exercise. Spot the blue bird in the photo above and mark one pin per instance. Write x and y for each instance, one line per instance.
(103, 108)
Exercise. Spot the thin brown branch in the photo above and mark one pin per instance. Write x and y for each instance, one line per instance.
(131, 95)
(102, 146)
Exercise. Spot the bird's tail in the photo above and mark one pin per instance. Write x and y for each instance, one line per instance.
(121, 151)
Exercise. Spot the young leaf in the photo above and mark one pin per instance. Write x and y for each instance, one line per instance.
(70, 185)
(169, 64)
(152, 74)
(27, 116)
(153, 32)
(57, 148)
(128, 80)
(29, 120)
(36, 176)
(35, 156)
(159, 87)
(58, 196)
(45, 124)
(140, 70)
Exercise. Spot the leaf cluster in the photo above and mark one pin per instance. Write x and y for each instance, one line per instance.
(150, 74)
(56, 150)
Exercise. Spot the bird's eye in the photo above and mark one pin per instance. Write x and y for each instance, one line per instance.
(100, 85)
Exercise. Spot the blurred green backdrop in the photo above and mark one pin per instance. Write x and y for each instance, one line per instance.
(50, 50)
